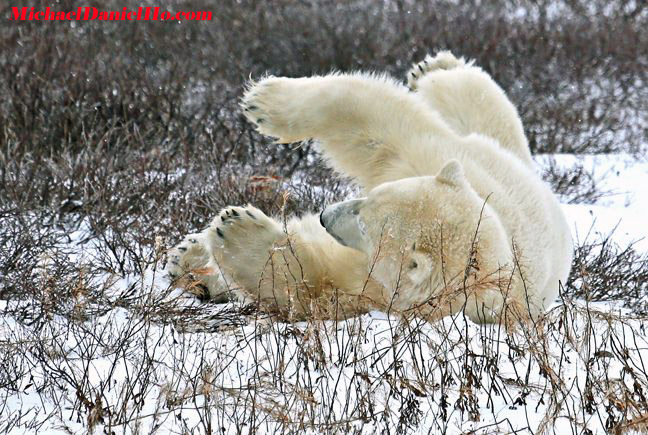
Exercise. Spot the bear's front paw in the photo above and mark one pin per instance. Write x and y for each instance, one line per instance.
(245, 229)
(186, 256)
(187, 263)
(271, 105)
(443, 60)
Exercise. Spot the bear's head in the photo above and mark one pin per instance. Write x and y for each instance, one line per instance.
(426, 238)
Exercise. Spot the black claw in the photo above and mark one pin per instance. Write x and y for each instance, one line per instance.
(172, 275)
(421, 68)
(204, 292)
(220, 233)
(260, 121)
(182, 249)
(250, 214)
(235, 213)
(251, 108)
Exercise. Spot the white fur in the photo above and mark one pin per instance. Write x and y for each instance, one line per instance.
(397, 143)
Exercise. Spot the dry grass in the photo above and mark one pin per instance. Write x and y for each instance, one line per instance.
(132, 355)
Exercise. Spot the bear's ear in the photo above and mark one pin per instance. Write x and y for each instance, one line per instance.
(451, 173)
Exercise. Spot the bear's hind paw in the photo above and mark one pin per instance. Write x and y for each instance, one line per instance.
(443, 60)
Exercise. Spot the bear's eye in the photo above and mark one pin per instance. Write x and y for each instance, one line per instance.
(413, 265)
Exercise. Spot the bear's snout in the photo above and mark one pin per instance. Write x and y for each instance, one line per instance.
(341, 220)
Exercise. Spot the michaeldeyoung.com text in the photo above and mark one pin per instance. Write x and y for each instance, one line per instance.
(88, 13)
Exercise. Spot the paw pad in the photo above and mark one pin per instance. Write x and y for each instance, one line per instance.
(229, 216)
(237, 224)
(269, 104)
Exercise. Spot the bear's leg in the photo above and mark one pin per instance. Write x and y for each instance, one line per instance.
(485, 306)
(469, 100)
(295, 269)
(235, 247)
(366, 125)
(260, 256)
(433, 314)
(246, 237)
(193, 267)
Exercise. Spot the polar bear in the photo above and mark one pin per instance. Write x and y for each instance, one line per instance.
(454, 215)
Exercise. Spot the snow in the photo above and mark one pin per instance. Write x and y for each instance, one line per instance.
(176, 374)
(622, 210)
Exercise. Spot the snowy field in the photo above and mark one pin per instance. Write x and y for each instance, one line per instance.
(623, 207)
(142, 358)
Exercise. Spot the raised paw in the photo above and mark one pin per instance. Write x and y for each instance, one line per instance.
(188, 255)
(189, 265)
(248, 238)
(244, 228)
(271, 105)
(443, 60)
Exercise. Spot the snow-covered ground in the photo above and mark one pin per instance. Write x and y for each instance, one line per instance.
(582, 369)
(624, 206)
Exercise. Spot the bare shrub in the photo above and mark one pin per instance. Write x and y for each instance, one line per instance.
(604, 271)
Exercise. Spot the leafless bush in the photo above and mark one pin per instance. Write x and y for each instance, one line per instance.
(604, 271)
(144, 98)
(575, 185)
(130, 354)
